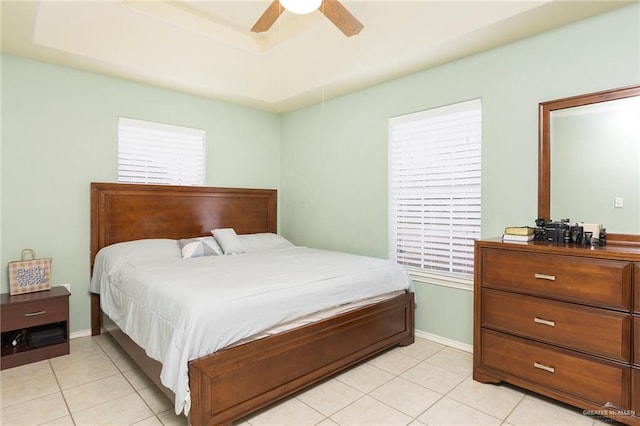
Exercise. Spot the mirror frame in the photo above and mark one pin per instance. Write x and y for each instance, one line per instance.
(544, 145)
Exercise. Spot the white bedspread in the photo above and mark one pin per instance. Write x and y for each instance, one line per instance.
(182, 309)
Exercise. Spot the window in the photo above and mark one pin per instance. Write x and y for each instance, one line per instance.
(434, 184)
(158, 153)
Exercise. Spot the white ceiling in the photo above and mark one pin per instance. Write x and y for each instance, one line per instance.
(207, 48)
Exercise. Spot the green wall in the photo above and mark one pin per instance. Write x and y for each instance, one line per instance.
(334, 155)
(329, 161)
(59, 133)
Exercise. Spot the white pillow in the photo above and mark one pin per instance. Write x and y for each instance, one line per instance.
(201, 246)
(263, 241)
(228, 240)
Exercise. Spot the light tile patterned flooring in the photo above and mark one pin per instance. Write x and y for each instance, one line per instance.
(422, 384)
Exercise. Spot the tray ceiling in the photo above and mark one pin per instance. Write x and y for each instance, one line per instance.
(207, 48)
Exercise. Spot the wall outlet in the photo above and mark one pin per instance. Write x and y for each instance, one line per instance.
(67, 286)
(618, 203)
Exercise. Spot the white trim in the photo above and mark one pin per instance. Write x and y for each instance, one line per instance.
(419, 333)
(441, 280)
(79, 334)
(444, 341)
(162, 127)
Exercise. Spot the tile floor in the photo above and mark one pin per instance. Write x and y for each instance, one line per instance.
(422, 384)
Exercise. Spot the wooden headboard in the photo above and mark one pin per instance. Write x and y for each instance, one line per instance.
(124, 212)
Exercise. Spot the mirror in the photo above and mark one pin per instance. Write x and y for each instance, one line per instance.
(589, 161)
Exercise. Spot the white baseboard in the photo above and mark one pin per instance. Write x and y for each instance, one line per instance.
(444, 341)
(419, 333)
(81, 333)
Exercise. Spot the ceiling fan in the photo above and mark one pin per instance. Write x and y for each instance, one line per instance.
(332, 9)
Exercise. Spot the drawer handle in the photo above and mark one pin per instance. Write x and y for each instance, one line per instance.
(544, 322)
(545, 277)
(35, 314)
(544, 367)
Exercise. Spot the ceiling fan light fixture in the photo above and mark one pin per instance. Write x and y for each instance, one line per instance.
(301, 7)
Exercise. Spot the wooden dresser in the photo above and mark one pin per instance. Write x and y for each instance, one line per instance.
(562, 321)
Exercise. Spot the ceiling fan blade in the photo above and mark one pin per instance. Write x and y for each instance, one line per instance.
(341, 17)
(269, 16)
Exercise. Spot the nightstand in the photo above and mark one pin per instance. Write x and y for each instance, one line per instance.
(34, 326)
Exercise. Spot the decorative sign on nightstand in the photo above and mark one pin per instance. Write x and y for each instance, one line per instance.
(26, 276)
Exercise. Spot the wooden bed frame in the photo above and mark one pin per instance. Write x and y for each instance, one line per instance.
(234, 382)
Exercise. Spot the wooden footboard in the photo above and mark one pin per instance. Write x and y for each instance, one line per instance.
(234, 382)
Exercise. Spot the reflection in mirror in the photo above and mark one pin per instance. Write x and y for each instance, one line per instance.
(589, 161)
(595, 164)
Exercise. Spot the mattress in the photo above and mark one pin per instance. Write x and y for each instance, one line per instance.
(180, 309)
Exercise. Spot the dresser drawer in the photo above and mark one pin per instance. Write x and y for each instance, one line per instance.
(592, 330)
(595, 282)
(588, 378)
(636, 341)
(636, 288)
(15, 316)
(635, 390)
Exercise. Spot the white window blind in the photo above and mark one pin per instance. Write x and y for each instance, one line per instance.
(157, 153)
(434, 179)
